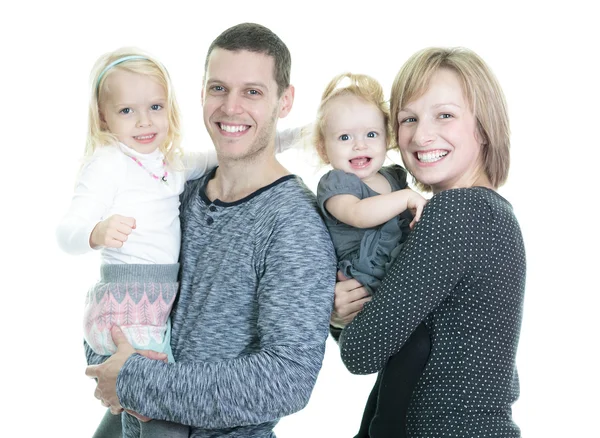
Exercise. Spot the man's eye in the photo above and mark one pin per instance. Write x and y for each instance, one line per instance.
(253, 92)
(344, 137)
(218, 88)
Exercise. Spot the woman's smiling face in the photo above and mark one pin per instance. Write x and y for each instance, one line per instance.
(438, 136)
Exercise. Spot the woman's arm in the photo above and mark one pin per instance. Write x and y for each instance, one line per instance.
(375, 210)
(436, 256)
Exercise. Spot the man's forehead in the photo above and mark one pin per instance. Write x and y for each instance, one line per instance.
(240, 66)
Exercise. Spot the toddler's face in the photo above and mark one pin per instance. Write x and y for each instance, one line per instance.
(355, 136)
(134, 108)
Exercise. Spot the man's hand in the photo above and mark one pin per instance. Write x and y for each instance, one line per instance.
(112, 232)
(107, 372)
(140, 417)
(350, 297)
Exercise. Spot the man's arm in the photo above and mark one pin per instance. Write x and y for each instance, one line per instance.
(294, 298)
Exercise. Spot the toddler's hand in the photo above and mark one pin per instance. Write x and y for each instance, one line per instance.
(415, 204)
(112, 232)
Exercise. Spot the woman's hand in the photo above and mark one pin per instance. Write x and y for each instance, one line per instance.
(350, 297)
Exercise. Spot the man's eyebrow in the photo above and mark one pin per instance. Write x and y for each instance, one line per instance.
(245, 84)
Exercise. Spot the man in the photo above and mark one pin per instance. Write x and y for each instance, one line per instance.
(258, 267)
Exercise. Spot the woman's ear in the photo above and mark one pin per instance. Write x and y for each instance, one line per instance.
(480, 135)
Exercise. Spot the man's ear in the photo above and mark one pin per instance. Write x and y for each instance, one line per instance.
(202, 93)
(287, 101)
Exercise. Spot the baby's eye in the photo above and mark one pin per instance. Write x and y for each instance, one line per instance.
(125, 111)
(156, 107)
(344, 137)
(372, 134)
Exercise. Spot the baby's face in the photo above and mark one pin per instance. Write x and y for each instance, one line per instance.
(134, 108)
(355, 136)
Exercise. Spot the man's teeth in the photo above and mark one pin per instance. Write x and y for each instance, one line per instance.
(430, 157)
(233, 128)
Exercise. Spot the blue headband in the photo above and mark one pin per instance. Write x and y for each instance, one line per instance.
(117, 62)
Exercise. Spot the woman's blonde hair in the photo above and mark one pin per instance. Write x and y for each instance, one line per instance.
(361, 86)
(481, 90)
(143, 64)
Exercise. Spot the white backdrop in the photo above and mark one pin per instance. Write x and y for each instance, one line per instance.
(543, 54)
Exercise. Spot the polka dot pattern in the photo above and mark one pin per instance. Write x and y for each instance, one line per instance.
(462, 271)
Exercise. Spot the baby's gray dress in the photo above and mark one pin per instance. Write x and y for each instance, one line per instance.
(364, 253)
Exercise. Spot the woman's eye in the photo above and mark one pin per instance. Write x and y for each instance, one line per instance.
(445, 116)
(409, 120)
(344, 137)
(372, 134)
(156, 107)
(125, 111)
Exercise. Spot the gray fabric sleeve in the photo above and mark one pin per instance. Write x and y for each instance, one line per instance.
(337, 182)
(437, 254)
(295, 297)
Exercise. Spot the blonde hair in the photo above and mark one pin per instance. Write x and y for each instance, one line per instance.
(98, 135)
(362, 86)
(481, 90)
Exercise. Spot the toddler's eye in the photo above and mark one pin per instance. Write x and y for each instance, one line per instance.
(125, 111)
(344, 137)
(156, 107)
(372, 134)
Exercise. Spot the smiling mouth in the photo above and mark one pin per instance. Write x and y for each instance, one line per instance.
(144, 137)
(233, 128)
(359, 162)
(431, 156)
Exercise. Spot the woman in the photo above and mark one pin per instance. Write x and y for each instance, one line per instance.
(462, 270)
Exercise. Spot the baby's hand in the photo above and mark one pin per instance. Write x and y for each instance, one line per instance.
(112, 232)
(415, 204)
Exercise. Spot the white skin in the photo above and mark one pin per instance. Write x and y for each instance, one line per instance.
(441, 146)
(134, 108)
(355, 142)
(241, 107)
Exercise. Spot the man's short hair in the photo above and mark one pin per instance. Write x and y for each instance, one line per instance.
(257, 38)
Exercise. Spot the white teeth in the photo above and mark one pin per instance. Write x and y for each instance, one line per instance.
(233, 128)
(144, 137)
(430, 157)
